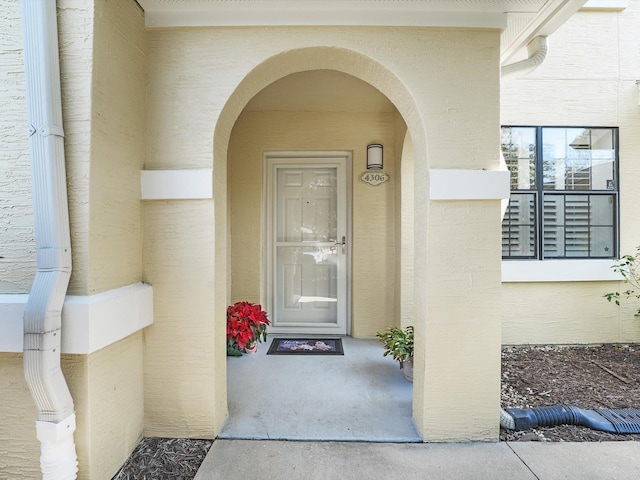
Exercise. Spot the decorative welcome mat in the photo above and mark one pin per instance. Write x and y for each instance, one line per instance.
(306, 346)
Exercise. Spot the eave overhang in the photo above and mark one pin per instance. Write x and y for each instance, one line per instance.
(519, 20)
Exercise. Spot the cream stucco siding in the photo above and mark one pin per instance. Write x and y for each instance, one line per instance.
(406, 237)
(373, 207)
(75, 34)
(460, 345)
(588, 79)
(182, 391)
(103, 114)
(107, 388)
(118, 92)
(17, 246)
(175, 98)
(19, 447)
(199, 82)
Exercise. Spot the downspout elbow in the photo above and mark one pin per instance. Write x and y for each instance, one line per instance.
(538, 49)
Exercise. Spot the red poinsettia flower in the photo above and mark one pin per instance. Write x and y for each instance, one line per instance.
(246, 324)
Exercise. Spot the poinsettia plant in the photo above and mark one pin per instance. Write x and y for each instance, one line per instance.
(246, 325)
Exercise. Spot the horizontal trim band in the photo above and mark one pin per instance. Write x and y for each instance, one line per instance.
(458, 184)
(558, 271)
(196, 183)
(89, 323)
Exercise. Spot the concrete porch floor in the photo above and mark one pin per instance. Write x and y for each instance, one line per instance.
(358, 396)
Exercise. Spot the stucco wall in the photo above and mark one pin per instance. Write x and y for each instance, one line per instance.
(75, 35)
(406, 235)
(17, 246)
(118, 91)
(103, 113)
(373, 207)
(181, 389)
(19, 447)
(588, 79)
(107, 388)
(444, 82)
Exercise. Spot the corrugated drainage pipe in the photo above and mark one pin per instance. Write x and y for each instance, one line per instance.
(506, 420)
(538, 49)
(42, 316)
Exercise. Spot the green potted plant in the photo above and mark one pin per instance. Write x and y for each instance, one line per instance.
(399, 344)
(246, 326)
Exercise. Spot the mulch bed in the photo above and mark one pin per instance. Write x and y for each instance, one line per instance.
(165, 458)
(589, 377)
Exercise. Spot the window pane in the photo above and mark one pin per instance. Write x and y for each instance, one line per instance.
(519, 151)
(602, 159)
(578, 158)
(553, 226)
(601, 210)
(518, 227)
(578, 226)
(602, 242)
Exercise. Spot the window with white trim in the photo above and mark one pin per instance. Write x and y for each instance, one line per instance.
(564, 192)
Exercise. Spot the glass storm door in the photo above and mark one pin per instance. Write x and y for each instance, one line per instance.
(308, 247)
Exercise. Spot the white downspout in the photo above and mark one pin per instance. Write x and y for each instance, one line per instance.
(537, 53)
(42, 316)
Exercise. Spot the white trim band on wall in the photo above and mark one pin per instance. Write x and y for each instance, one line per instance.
(514, 271)
(89, 322)
(195, 183)
(605, 5)
(458, 184)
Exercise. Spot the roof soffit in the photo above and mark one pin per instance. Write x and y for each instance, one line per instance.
(519, 20)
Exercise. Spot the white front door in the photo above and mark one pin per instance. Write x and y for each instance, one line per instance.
(307, 244)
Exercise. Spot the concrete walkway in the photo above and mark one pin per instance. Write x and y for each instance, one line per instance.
(266, 460)
(358, 396)
(324, 417)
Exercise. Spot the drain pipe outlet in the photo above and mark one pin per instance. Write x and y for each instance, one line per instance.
(506, 420)
(537, 53)
(43, 313)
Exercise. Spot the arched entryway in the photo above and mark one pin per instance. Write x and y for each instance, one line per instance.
(357, 101)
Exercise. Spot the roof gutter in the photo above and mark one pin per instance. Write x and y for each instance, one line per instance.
(43, 313)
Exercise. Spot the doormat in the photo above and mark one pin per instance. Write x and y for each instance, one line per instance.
(306, 346)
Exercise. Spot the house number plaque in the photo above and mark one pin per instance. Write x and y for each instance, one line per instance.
(374, 178)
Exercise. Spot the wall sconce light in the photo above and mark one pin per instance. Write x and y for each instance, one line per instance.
(374, 156)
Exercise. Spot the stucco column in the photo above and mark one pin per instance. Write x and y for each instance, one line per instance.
(457, 377)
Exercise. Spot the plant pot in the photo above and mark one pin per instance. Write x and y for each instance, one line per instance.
(407, 370)
(253, 348)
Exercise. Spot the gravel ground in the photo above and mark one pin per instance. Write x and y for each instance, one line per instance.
(165, 458)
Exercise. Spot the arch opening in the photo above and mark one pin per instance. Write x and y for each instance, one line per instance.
(313, 100)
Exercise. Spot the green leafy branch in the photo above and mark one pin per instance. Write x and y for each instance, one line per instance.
(629, 267)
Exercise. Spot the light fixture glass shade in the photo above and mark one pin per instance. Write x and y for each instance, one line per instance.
(374, 156)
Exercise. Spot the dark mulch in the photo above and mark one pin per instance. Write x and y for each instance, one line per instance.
(164, 458)
(589, 377)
